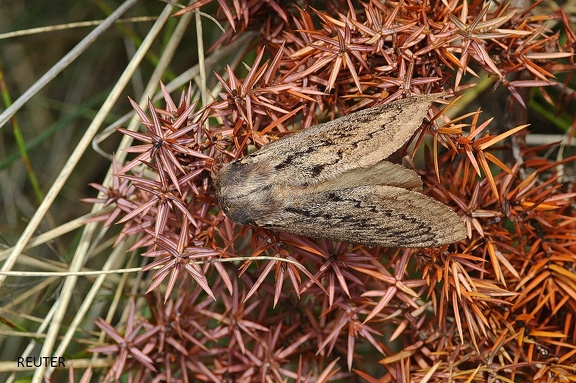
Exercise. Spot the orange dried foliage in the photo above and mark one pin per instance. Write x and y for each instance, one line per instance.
(498, 306)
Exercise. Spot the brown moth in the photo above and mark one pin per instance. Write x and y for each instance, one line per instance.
(332, 181)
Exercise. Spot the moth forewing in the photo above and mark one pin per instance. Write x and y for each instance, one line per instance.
(376, 215)
(331, 181)
(358, 140)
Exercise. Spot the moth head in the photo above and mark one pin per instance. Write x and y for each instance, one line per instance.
(238, 178)
(243, 191)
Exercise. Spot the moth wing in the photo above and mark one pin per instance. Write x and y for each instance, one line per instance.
(383, 173)
(379, 215)
(356, 141)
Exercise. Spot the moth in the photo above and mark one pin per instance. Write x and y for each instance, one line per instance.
(332, 181)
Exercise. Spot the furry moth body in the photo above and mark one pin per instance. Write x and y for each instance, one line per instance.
(332, 181)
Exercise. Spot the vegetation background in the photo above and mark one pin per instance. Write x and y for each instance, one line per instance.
(498, 307)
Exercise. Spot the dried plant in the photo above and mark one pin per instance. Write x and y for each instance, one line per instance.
(497, 307)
